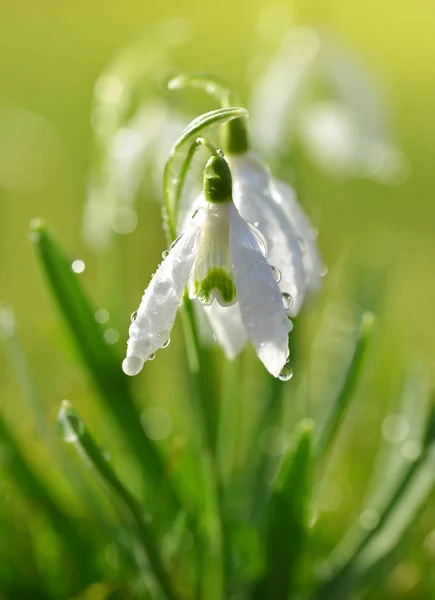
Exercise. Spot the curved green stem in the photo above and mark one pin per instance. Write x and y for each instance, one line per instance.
(171, 176)
(234, 134)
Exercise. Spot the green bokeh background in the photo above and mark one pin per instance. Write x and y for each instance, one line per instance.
(51, 54)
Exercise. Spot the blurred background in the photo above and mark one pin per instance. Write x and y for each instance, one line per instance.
(52, 54)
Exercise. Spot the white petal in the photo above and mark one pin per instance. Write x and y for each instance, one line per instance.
(281, 89)
(259, 297)
(255, 201)
(285, 197)
(228, 328)
(156, 314)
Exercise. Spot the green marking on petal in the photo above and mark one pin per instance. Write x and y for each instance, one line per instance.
(217, 279)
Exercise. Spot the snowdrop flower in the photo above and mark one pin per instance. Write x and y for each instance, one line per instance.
(221, 258)
(271, 207)
(346, 130)
(267, 204)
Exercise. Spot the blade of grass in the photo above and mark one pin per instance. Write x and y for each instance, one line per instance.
(338, 408)
(102, 365)
(379, 543)
(35, 406)
(229, 419)
(287, 520)
(77, 547)
(72, 429)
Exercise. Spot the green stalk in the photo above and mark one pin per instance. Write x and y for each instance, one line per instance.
(338, 408)
(72, 429)
(201, 384)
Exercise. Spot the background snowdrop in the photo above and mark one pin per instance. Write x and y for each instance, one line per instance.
(313, 89)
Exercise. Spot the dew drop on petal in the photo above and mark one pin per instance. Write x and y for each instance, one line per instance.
(78, 266)
(277, 274)
(132, 365)
(257, 223)
(287, 300)
(302, 245)
(175, 242)
(324, 271)
(286, 373)
(133, 316)
(163, 339)
(152, 356)
(165, 253)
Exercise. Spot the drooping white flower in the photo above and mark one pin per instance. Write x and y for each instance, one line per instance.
(271, 207)
(317, 91)
(221, 259)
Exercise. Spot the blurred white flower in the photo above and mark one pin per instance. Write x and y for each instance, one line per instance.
(133, 131)
(318, 92)
(222, 260)
(135, 154)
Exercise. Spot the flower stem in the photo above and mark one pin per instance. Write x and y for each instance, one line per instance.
(207, 415)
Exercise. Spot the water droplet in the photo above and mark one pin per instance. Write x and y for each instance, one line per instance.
(369, 518)
(105, 452)
(157, 422)
(124, 220)
(132, 365)
(152, 356)
(78, 266)
(102, 315)
(287, 300)
(286, 373)
(111, 336)
(166, 344)
(175, 242)
(324, 271)
(277, 274)
(411, 450)
(302, 245)
(162, 339)
(133, 316)
(257, 223)
(165, 253)
(69, 425)
(395, 428)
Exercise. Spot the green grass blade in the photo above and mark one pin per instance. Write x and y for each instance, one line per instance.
(287, 521)
(33, 490)
(103, 366)
(72, 429)
(339, 406)
(376, 549)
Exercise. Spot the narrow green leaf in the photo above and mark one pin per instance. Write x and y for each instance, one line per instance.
(377, 548)
(339, 406)
(72, 429)
(76, 545)
(287, 521)
(171, 175)
(102, 365)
